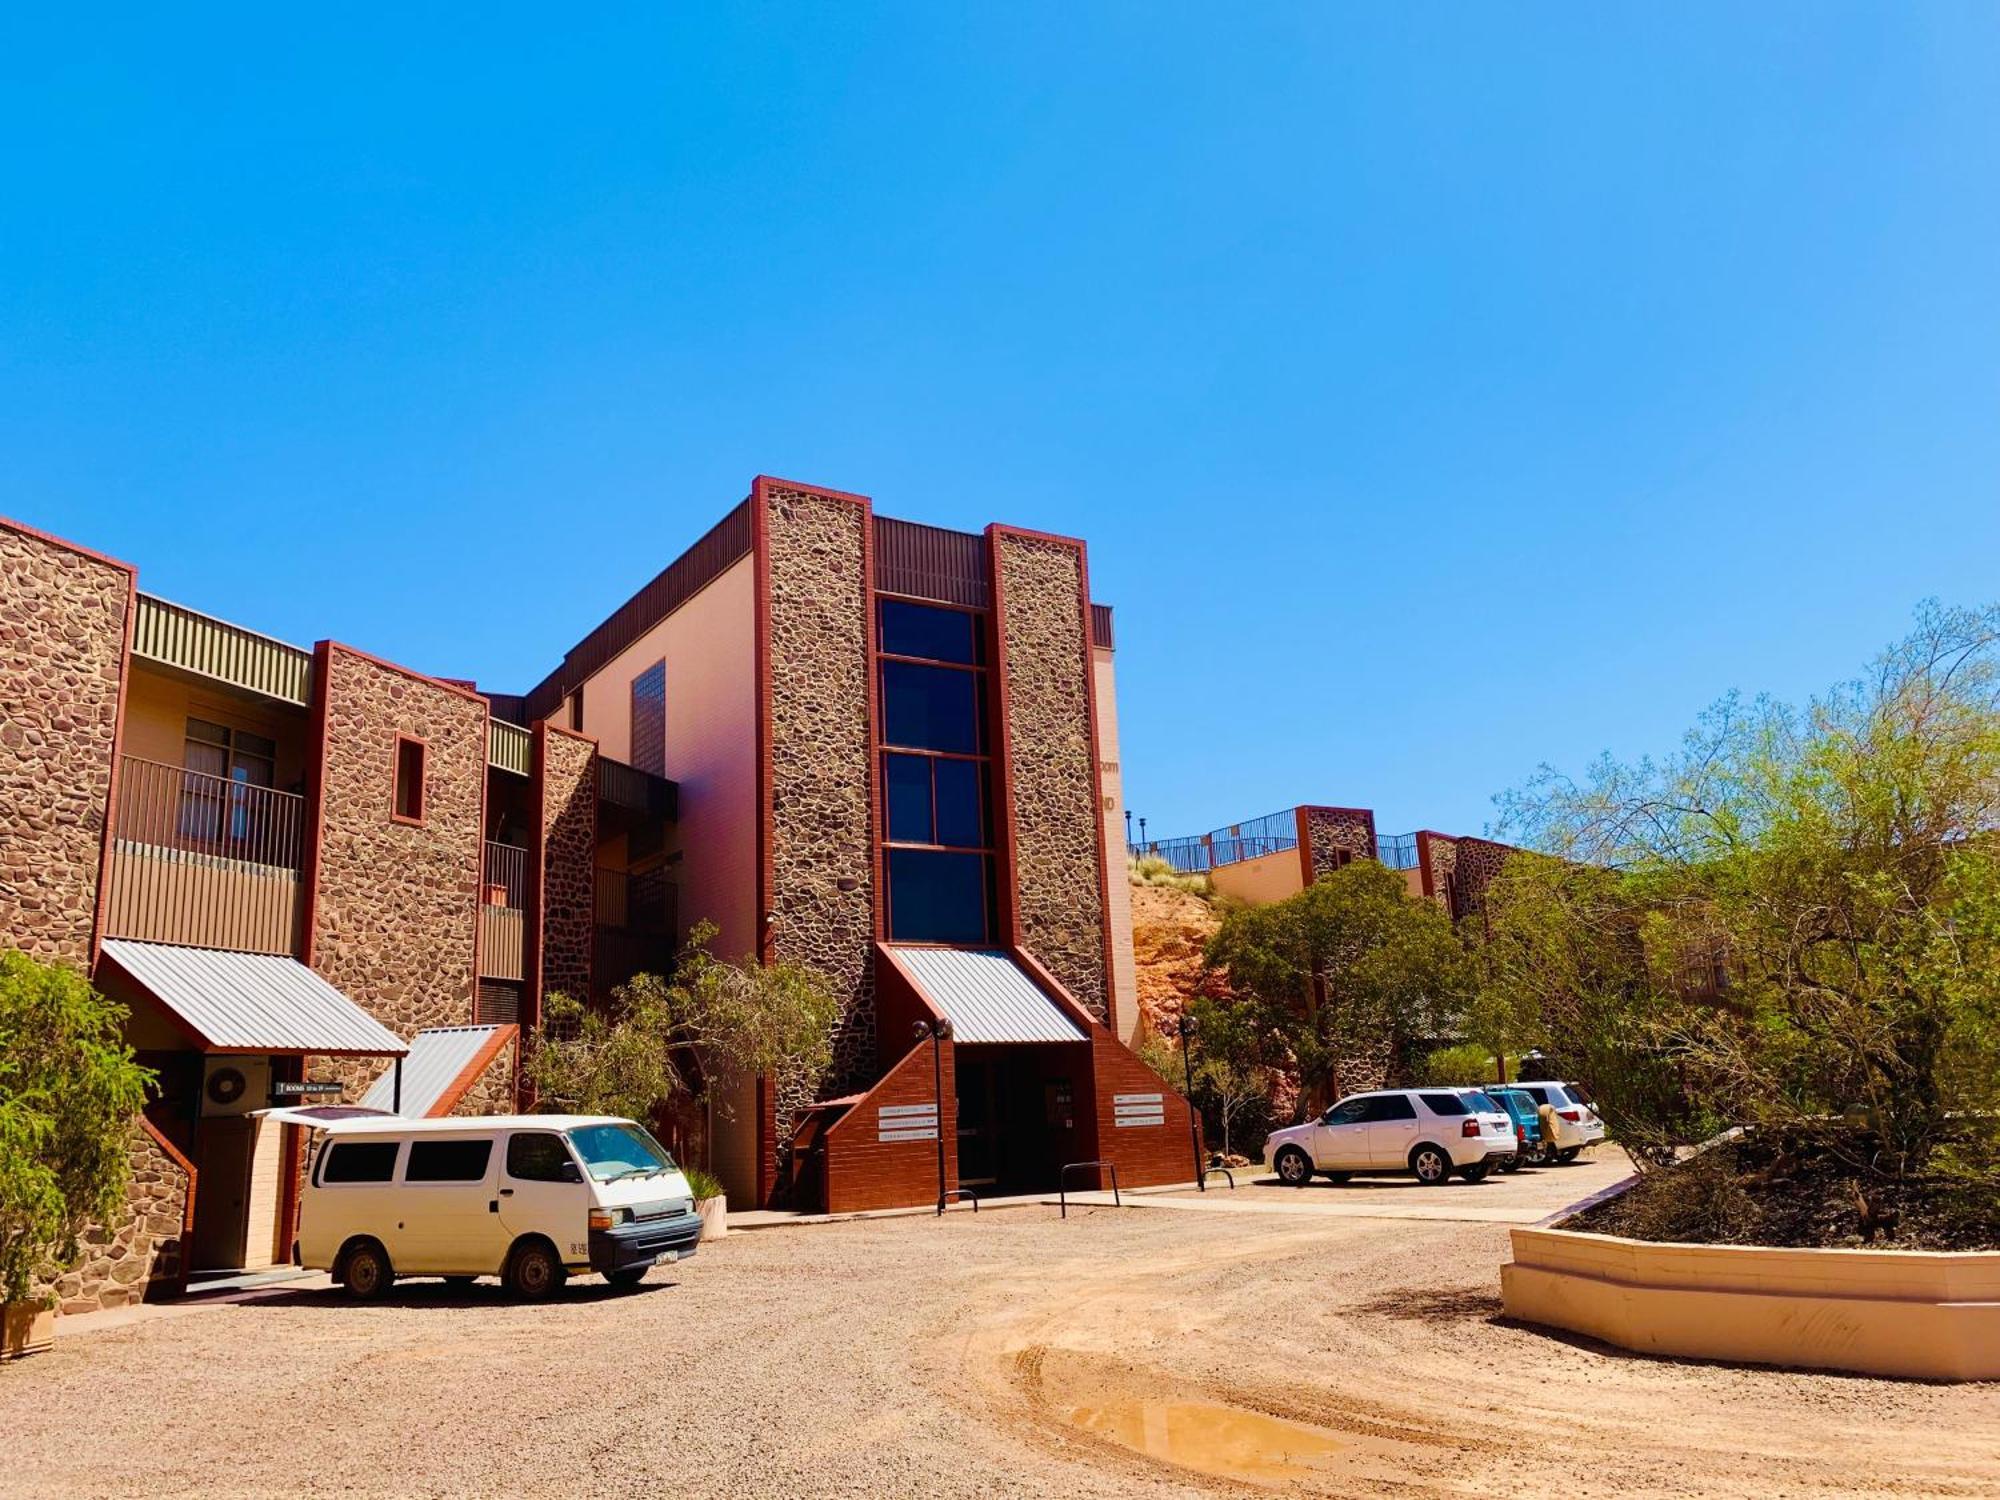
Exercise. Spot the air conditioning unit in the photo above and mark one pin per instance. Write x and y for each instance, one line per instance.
(235, 1085)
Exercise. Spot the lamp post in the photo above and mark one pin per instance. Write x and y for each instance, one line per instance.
(1185, 1026)
(938, 1031)
(1128, 828)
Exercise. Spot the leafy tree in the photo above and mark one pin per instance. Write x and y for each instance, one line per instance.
(1232, 1061)
(1348, 970)
(68, 1091)
(660, 1038)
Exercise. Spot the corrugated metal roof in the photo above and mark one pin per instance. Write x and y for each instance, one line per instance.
(252, 1002)
(437, 1056)
(986, 997)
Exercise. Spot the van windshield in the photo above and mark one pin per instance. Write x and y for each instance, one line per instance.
(610, 1152)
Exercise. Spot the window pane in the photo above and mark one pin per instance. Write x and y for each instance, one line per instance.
(536, 1156)
(932, 708)
(409, 779)
(1444, 1104)
(938, 898)
(207, 733)
(939, 634)
(360, 1161)
(960, 817)
(447, 1161)
(906, 781)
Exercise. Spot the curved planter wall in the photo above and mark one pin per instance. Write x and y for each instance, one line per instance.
(1929, 1314)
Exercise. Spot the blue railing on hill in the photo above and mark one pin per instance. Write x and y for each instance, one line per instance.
(1227, 846)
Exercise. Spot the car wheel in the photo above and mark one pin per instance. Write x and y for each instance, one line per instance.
(1571, 1153)
(1476, 1172)
(1545, 1155)
(1295, 1168)
(1513, 1163)
(1430, 1164)
(366, 1272)
(533, 1272)
(628, 1278)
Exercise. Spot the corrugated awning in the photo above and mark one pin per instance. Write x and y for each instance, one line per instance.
(253, 1002)
(437, 1058)
(986, 996)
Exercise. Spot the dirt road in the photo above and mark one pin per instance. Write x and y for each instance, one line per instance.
(1007, 1353)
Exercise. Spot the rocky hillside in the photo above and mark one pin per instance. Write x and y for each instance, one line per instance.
(1170, 927)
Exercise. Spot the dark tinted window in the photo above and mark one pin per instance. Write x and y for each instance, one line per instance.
(1391, 1107)
(537, 1156)
(932, 708)
(1347, 1112)
(1539, 1094)
(1444, 1104)
(447, 1161)
(907, 785)
(935, 801)
(961, 818)
(939, 634)
(1483, 1104)
(359, 1161)
(936, 897)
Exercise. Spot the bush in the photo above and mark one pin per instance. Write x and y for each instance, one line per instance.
(704, 1185)
(1152, 869)
(68, 1091)
(1462, 1063)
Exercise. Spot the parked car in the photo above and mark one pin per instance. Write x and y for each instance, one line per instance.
(1430, 1133)
(1522, 1109)
(1577, 1124)
(531, 1199)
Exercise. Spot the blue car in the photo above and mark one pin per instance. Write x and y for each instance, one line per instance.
(1521, 1109)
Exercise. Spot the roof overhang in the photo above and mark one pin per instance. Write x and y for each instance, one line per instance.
(251, 1002)
(443, 1062)
(989, 999)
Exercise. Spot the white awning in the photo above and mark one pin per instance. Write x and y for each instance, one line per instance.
(986, 996)
(436, 1060)
(253, 1002)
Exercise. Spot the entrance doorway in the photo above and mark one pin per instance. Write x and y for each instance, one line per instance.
(238, 1162)
(1023, 1111)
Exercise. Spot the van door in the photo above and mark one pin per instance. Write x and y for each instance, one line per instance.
(542, 1191)
(446, 1203)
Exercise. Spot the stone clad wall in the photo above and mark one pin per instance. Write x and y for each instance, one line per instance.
(1442, 854)
(1332, 831)
(63, 617)
(142, 1252)
(396, 905)
(1050, 771)
(820, 827)
(568, 792)
(1477, 862)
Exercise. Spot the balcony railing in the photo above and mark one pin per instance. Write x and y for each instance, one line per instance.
(1397, 851)
(501, 908)
(637, 918)
(169, 807)
(506, 875)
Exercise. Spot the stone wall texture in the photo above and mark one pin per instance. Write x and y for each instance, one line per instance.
(492, 1092)
(1442, 854)
(1334, 832)
(1476, 863)
(820, 827)
(1045, 659)
(62, 651)
(396, 906)
(568, 792)
(140, 1253)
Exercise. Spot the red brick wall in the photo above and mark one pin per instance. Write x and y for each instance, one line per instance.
(64, 616)
(1147, 1155)
(863, 1172)
(566, 788)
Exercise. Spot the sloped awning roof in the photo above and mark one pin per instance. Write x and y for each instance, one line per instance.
(435, 1071)
(252, 1002)
(986, 996)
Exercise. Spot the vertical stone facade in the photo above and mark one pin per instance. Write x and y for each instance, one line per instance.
(63, 616)
(1438, 855)
(1334, 835)
(566, 784)
(818, 822)
(395, 905)
(1050, 759)
(1477, 862)
(143, 1251)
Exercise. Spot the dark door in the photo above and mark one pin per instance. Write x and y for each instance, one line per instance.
(222, 1192)
(979, 1144)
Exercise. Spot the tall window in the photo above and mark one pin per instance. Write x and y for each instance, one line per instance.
(936, 774)
(408, 806)
(220, 811)
(649, 719)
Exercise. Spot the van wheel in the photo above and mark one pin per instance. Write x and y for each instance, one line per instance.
(1571, 1153)
(1295, 1168)
(1476, 1172)
(365, 1271)
(626, 1279)
(1430, 1164)
(533, 1272)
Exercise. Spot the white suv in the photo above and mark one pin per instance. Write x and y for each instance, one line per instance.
(1577, 1124)
(1428, 1132)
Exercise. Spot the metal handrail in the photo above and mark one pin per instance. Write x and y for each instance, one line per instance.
(1062, 1183)
(1208, 1172)
(170, 807)
(506, 865)
(958, 1192)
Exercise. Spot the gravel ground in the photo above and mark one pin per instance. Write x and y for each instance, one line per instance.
(952, 1358)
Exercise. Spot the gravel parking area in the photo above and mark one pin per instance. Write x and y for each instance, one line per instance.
(1004, 1353)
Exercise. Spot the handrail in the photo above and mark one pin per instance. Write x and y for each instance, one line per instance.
(1062, 1183)
(958, 1192)
(170, 807)
(1208, 1172)
(506, 865)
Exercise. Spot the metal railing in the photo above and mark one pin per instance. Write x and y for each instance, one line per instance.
(169, 807)
(1062, 1183)
(1397, 851)
(1271, 834)
(507, 869)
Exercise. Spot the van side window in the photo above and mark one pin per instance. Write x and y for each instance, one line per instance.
(359, 1161)
(536, 1156)
(447, 1161)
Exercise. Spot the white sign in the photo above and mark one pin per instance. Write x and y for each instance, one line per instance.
(906, 1122)
(1131, 1110)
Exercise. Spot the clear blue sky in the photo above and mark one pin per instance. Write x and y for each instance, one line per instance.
(1442, 389)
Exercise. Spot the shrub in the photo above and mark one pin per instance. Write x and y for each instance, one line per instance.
(1152, 869)
(703, 1184)
(1461, 1063)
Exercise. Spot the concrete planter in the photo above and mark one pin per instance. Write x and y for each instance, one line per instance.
(25, 1328)
(1931, 1315)
(714, 1217)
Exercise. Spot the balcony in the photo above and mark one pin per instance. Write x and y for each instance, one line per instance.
(503, 900)
(204, 861)
(636, 931)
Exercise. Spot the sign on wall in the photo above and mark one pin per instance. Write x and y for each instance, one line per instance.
(906, 1122)
(1130, 1110)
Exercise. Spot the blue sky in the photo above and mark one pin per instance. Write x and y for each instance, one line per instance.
(1442, 389)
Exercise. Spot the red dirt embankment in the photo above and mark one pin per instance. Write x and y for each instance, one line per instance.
(1170, 927)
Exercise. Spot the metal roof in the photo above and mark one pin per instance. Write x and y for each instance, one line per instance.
(986, 997)
(437, 1056)
(252, 1002)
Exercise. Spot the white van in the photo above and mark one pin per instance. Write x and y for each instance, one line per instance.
(528, 1198)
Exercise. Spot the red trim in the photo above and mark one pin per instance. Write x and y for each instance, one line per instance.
(1108, 982)
(878, 821)
(322, 688)
(478, 861)
(423, 776)
(108, 835)
(1425, 881)
(35, 533)
(504, 1036)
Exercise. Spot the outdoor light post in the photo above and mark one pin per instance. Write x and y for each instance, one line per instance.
(1185, 1026)
(937, 1031)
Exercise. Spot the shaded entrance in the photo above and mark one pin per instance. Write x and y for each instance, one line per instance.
(1021, 1114)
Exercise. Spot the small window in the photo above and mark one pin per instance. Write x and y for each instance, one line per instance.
(409, 805)
(537, 1156)
(359, 1161)
(448, 1161)
(933, 708)
(1444, 1104)
(907, 792)
(1538, 1094)
(649, 719)
(931, 800)
(936, 897)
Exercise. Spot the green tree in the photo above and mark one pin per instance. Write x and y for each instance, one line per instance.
(68, 1092)
(1232, 1060)
(1345, 973)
